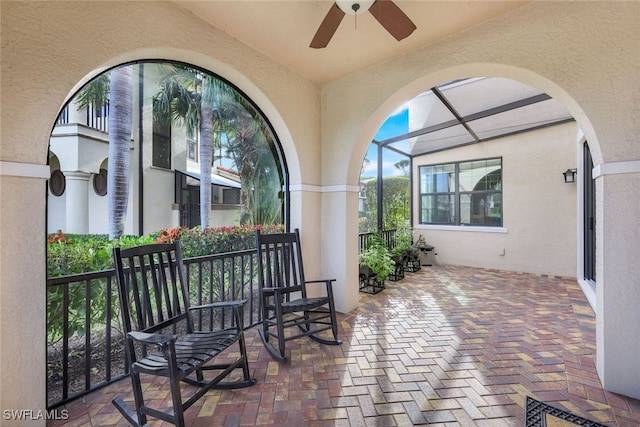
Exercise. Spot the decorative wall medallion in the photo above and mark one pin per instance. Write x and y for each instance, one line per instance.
(100, 183)
(57, 183)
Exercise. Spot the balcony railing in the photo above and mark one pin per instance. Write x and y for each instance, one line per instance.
(95, 118)
(389, 237)
(85, 344)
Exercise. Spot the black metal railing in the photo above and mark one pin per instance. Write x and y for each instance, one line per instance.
(389, 237)
(95, 118)
(85, 343)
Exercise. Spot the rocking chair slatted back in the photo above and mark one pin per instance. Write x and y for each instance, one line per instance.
(155, 289)
(282, 253)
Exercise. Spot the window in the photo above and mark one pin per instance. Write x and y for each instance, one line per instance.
(192, 150)
(463, 193)
(161, 156)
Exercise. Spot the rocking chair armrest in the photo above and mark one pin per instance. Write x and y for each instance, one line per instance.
(327, 282)
(147, 338)
(220, 304)
(282, 290)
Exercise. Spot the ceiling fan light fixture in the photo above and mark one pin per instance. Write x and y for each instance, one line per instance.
(354, 7)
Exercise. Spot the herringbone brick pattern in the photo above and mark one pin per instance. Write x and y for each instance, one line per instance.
(446, 346)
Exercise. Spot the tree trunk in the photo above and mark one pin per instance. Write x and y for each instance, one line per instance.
(120, 124)
(206, 155)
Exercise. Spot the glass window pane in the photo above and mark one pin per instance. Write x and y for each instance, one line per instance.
(437, 209)
(481, 209)
(437, 179)
(480, 175)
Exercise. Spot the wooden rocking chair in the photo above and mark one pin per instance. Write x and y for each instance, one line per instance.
(284, 299)
(161, 340)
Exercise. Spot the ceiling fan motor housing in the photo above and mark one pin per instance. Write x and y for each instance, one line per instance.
(354, 7)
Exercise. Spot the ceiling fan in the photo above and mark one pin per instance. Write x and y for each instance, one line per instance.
(386, 12)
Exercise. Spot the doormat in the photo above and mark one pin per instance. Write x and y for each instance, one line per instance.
(539, 414)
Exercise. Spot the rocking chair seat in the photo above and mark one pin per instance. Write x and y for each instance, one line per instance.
(191, 351)
(303, 304)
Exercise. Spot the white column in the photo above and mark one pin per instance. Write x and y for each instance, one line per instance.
(340, 243)
(618, 276)
(22, 297)
(77, 192)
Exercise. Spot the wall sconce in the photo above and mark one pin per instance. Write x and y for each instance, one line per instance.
(570, 175)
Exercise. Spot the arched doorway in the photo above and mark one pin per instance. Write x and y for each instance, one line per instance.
(486, 155)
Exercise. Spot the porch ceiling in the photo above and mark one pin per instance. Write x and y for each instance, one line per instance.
(283, 30)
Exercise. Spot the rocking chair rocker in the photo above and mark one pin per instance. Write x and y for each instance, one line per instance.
(284, 299)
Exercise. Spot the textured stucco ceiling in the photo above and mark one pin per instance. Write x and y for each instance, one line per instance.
(282, 30)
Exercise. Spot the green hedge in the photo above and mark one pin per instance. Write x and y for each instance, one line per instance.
(80, 253)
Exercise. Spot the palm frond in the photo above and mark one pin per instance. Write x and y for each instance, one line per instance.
(94, 93)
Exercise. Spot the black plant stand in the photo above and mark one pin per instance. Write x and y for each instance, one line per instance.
(398, 272)
(369, 284)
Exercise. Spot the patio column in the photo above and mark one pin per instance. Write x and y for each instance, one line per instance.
(618, 276)
(77, 212)
(340, 243)
(22, 296)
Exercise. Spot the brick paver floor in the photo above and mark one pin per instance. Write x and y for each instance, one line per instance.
(446, 346)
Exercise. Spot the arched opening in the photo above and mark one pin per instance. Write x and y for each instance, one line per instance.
(516, 203)
(168, 153)
(164, 150)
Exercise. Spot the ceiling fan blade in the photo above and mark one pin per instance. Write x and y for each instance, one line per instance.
(328, 27)
(392, 18)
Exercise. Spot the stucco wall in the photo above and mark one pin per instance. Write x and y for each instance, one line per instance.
(539, 210)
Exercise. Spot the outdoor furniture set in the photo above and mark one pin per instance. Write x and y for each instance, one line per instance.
(161, 337)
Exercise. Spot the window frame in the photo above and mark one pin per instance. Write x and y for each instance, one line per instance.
(458, 194)
(161, 145)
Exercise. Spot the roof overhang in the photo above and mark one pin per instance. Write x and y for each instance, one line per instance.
(215, 179)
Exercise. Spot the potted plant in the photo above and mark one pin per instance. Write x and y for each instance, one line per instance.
(405, 249)
(376, 264)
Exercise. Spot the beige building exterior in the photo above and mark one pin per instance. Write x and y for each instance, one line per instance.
(585, 55)
(538, 234)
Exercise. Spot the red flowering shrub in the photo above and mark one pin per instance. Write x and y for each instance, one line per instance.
(197, 242)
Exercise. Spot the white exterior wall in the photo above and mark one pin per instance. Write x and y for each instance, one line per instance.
(539, 210)
(586, 55)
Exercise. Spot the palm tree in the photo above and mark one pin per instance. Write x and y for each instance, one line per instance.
(201, 102)
(188, 97)
(116, 88)
(249, 145)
